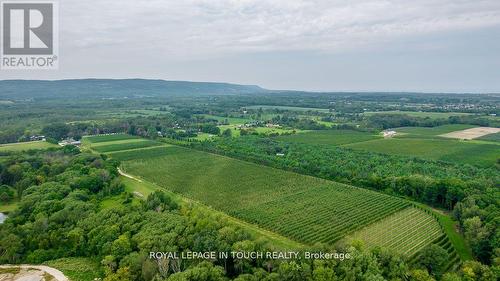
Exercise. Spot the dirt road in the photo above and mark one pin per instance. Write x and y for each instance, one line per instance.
(127, 175)
(31, 273)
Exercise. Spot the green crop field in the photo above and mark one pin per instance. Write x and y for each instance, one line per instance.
(24, 146)
(125, 145)
(431, 115)
(431, 131)
(406, 232)
(466, 152)
(108, 138)
(101, 144)
(321, 214)
(304, 208)
(329, 137)
(97, 144)
(491, 137)
(139, 153)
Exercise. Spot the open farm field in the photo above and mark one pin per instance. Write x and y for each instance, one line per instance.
(139, 153)
(473, 133)
(24, 146)
(329, 137)
(260, 130)
(303, 208)
(108, 138)
(423, 132)
(474, 153)
(492, 137)
(101, 144)
(124, 145)
(421, 114)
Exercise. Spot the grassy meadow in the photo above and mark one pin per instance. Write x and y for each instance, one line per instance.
(25, 146)
(260, 130)
(78, 269)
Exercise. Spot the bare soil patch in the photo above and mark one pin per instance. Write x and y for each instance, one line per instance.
(470, 134)
(30, 273)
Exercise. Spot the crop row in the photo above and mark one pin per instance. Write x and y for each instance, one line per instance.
(406, 232)
(304, 208)
(107, 138)
(125, 146)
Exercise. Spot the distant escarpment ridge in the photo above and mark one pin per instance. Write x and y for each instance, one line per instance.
(116, 88)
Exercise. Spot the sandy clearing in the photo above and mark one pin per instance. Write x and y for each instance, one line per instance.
(32, 273)
(473, 133)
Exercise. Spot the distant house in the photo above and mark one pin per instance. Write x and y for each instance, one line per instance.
(70, 141)
(252, 124)
(270, 125)
(280, 154)
(37, 138)
(389, 133)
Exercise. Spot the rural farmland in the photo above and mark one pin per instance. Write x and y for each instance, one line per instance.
(35, 145)
(171, 169)
(473, 133)
(306, 209)
(479, 154)
(430, 115)
(407, 232)
(118, 143)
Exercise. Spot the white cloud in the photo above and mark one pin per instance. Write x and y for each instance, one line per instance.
(198, 28)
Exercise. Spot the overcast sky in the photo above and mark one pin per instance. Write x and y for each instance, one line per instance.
(333, 45)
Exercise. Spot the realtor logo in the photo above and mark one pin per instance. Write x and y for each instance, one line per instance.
(29, 35)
